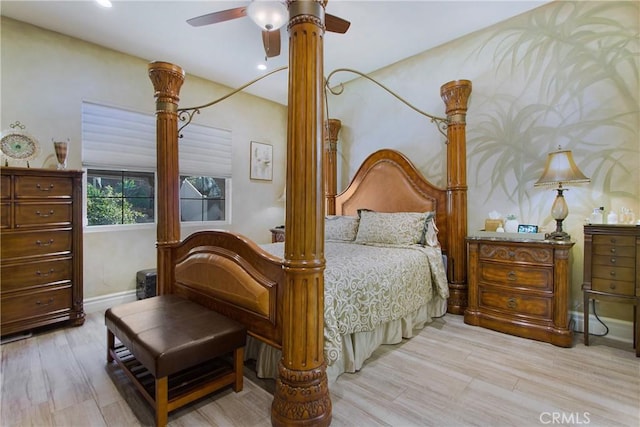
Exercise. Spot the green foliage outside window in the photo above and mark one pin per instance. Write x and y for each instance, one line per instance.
(119, 197)
(106, 206)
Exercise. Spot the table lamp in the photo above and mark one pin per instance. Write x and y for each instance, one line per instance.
(560, 169)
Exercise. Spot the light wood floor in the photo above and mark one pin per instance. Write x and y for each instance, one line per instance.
(451, 374)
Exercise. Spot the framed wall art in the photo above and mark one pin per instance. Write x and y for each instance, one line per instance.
(261, 161)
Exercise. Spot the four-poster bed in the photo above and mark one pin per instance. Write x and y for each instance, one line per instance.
(281, 300)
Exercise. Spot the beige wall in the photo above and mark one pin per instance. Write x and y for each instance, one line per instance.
(566, 73)
(45, 78)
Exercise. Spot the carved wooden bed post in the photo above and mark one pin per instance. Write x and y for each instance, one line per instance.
(455, 95)
(167, 80)
(302, 393)
(330, 164)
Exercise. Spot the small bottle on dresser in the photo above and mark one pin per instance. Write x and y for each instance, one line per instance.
(612, 218)
(597, 216)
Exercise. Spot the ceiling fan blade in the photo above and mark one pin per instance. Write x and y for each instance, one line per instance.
(215, 17)
(335, 24)
(271, 43)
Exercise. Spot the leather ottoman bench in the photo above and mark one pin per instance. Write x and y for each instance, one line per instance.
(172, 350)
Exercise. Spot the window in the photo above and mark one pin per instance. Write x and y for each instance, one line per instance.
(116, 197)
(202, 198)
(119, 153)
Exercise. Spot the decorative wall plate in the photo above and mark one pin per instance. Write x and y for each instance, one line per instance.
(19, 145)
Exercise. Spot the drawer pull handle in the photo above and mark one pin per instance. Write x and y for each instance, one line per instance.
(612, 286)
(512, 276)
(41, 243)
(612, 273)
(613, 250)
(48, 273)
(41, 215)
(512, 303)
(49, 188)
(38, 302)
(613, 240)
(613, 260)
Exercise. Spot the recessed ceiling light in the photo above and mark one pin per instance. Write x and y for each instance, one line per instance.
(104, 3)
(262, 67)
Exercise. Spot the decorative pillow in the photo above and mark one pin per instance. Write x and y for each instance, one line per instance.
(342, 228)
(430, 233)
(397, 228)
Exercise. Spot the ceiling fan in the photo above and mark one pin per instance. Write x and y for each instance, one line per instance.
(269, 15)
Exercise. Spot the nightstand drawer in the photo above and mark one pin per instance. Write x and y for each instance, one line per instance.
(617, 287)
(516, 254)
(43, 186)
(539, 278)
(30, 214)
(613, 273)
(539, 307)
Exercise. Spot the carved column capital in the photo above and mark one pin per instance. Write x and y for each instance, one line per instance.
(455, 95)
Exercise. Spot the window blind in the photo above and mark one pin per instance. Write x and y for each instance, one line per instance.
(124, 139)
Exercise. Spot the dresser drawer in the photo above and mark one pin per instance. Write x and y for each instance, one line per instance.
(539, 278)
(35, 243)
(43, 186)
(513, 303)
(5, 187)
(613, 261)
(617, 250)
(35, 304)
(617, 287)
(30, 214)
(516, 254)
(613, 273)
(5, 215)
(30, 274)
(614, 240)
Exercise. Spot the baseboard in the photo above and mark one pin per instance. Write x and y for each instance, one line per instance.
(619, 330)
(103, 302)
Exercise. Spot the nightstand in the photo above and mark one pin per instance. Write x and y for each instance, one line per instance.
(612, 270)
(277, 234)
(520, 287)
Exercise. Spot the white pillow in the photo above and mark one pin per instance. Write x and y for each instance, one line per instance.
(340, 228)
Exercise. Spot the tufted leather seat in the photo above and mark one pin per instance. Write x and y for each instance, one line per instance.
(168, 334)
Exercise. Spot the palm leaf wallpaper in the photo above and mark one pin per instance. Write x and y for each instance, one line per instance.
(565, 74)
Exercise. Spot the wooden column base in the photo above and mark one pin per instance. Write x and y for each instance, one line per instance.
(301, 398)
(458, 298)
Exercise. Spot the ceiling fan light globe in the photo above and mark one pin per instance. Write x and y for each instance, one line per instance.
(268, 14)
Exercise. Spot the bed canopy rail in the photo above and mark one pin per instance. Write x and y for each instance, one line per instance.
(455, 95)
(301, 395)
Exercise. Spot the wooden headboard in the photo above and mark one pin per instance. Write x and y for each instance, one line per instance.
(388, 182)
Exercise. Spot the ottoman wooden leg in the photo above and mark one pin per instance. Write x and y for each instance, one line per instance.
(162, 405)
(110, 345)
(238, 364)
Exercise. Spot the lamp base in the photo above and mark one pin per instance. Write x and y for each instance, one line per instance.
(557, 235)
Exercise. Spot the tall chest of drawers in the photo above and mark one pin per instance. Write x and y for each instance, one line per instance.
(612, 270)
(520, 287)
(41, 248)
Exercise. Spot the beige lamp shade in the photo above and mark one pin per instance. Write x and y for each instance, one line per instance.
(560, 168)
